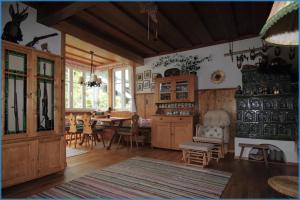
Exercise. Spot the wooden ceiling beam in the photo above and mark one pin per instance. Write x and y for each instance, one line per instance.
(142, 25)
(114, 14)
(81, 32)
(166, 31)
(210, 44)
(226, 19)
(117, 32)
(201, 23)
(171, 23)
(242, 11)
(85, 51)
(78, 61)
(51, 18)
(85, 58)
(259, 14)
(233, 11)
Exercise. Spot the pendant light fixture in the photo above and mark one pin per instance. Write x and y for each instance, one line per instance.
(94, 80)
(281, 27)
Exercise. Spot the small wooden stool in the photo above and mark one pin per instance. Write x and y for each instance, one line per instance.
(258, 146)
(194, 153)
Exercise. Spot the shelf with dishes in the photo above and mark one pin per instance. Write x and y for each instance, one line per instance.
(175, 109)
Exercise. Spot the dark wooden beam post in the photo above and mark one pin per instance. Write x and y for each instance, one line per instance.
(54, 17)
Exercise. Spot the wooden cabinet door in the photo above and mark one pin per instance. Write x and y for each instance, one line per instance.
(164, 91)
(140, 105)
(149, 105)
(51, 155)
(181, 132)
(18, 162)
(48, 107)
(161, 134)
(184, 89)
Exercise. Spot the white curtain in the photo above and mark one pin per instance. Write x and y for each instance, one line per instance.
(133, 107)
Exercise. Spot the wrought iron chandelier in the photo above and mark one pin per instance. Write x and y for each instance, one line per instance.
(94, 80)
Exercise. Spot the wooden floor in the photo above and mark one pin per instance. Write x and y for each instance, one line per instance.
(249, 179)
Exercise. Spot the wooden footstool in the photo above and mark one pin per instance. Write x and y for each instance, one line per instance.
(194, 153)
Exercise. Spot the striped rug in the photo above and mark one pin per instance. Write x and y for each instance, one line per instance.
(144, 178)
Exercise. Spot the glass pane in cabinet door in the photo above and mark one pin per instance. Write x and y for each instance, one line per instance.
(15, 104)
(165, 91)
(15, 62)
(45, 95)
(45, 105)
(182, 89)
(45, 67)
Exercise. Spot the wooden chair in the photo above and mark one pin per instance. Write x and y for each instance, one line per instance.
(74, 131)
(215, 131)
(90, 132)
(130, 132)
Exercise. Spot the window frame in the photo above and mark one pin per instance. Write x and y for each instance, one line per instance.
(123, 84)
(71, 82)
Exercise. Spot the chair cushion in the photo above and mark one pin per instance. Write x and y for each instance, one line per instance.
(212, 132)
(196, 146)
(208, 140)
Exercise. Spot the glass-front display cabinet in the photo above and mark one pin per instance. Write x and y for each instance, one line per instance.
(33, 143)
(176, 89)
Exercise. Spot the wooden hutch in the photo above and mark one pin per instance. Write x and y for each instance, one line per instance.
(32, 133)
(176, 103)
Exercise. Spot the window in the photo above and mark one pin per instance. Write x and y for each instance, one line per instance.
(97, 97)
(78, 96)
(77, 93)
(67, 88)
(102, 100)
(122, 90)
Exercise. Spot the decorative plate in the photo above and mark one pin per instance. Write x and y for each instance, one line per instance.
(217, 77)
(172, 72)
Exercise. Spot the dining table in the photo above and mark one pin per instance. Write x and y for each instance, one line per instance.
(112, 123)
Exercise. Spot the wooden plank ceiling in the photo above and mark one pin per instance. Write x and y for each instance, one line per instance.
(120, 27)
(78, 51)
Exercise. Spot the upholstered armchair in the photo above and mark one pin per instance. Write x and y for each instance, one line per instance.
(215, 130)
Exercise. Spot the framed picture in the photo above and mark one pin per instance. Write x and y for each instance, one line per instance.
(139, 87)
(155, 75)
(146, 85)
(139, 77)
(147, 74)
(152, 87)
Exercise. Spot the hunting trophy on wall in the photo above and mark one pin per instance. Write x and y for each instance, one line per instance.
(12, 31)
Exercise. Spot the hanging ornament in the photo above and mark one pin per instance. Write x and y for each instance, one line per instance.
(264, 46)
(292, 53)
(150, 9)
(231, 50)
(277, 51)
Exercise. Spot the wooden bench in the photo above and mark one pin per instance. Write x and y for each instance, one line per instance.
(263, 147)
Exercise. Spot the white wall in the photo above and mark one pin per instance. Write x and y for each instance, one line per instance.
(30, 28)
(288, 147)
(233, 76)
